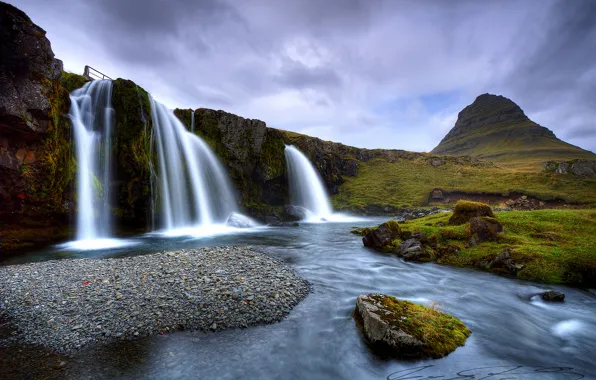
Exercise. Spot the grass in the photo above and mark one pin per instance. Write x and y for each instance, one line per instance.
(408, 183)
(555, 246)
(440, 333)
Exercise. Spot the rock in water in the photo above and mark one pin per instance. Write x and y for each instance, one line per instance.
(297, 212)
(382, 236)
(553, 296)
(407, 330)
(240, 221)
(466, 210)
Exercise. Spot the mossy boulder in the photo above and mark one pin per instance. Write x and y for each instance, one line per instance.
(403, 329)
(464, 211)
(72, 81)
(383, 238)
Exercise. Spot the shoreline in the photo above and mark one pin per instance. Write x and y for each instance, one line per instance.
(65, 305)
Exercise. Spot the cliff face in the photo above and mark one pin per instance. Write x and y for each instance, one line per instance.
(36, 165)
(254, 156)
(495, 128)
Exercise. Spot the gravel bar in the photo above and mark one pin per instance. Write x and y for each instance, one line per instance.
(66, 304)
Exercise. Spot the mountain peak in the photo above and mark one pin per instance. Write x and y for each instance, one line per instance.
(496, 128)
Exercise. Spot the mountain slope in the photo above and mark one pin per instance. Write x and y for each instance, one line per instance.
(496, 129)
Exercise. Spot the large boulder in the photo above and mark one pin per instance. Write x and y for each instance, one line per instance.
(406, 330)
(294, 212)
(466, 210)
(382, 236)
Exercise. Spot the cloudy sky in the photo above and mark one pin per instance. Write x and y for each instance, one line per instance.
(375, 74)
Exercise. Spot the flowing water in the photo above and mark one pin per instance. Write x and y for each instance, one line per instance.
(92, 116)
(319, 339)
(194, 189)
(306, 186)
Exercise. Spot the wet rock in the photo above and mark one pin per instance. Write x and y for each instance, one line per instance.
(402, 329)
(382, 236)
(466, 210)
(412, 250)
(504, 262)
(297, 212)
(240, 221)
(552, 296)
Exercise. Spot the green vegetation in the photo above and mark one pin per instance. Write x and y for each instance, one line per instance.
(496, 129)
(466, 210)
(72, 81)
(408, 183)
(554, 246)
(440, 333)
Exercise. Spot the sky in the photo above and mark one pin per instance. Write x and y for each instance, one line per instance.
(368, 73)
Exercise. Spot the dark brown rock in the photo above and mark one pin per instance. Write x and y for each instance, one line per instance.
(382, 236)
(553, 296)
(485, 228)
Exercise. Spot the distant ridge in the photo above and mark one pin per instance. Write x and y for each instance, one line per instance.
(495, 128)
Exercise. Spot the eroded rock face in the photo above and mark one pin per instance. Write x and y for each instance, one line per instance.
(382, 236)
(583, 168)
(28, 74)
(36, 164)
(387, 323)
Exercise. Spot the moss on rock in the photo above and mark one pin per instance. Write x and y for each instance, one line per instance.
(72, 81)
(406, 330)
(466, 210)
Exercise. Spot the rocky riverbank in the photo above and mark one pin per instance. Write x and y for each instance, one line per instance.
(64, 305)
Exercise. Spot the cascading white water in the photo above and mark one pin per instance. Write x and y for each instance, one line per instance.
(194, 190)
(306, 186)
(92, 114)
(192, 121)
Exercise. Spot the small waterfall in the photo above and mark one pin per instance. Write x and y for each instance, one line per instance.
(194, 189)
(306, 186)
(92, 118)
(192, 121)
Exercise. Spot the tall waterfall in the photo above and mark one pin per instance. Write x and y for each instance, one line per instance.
(306, 187)
(194, 189)
(92, 118)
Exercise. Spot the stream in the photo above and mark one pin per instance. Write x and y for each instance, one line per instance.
(513, 336)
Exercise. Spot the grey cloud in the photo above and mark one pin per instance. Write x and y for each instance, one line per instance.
(345, 63)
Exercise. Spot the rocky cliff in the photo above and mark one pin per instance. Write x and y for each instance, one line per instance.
(254, 155)
(36, 164)
(495, 128)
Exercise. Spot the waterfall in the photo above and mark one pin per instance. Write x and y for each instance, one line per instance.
(92, 116)
(194, 189)
(192, 121)
(306, 187)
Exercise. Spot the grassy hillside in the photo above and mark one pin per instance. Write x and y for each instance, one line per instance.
(555, 246)
(406, 183)
(496, 129)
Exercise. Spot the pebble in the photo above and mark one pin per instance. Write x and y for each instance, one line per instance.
(55, 303)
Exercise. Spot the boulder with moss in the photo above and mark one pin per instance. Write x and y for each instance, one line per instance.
(464, 211)
(403, 329)
(383, 238)
(485, 228)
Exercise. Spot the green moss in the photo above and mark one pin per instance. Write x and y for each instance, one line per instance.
(466, 210)
(408, 183)
(71, 81)
(439, 332)
(132, 145)
(555, 246)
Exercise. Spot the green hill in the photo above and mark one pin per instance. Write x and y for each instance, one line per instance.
(496, 129)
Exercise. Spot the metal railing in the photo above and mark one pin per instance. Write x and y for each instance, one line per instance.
(92, 74)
